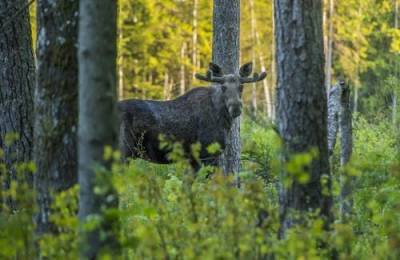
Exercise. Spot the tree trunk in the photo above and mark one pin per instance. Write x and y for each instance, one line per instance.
(121, 81)
(302, 106)
(355, 105)
(267, 90)
(346, 148)
(253, 57)
(226, 45)
(333, 116)
(120, 72)
(17, 74)
(182, 72)
(396, 66)
(273, 70)
(98, 124)
(267, 93)
(166, 86)
(329, 53)
(194, 37)
(56, 104)
(171, 88)
(325, 30)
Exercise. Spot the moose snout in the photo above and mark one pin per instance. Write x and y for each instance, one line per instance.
(235, 110)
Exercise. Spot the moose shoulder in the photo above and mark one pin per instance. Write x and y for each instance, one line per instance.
(203, 115)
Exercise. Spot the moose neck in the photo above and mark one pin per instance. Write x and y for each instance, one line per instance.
(219, 106)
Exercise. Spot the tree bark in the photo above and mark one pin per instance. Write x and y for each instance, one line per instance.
(395, 93)
(56, 104)
(329, 53)
(226, 46)
(182, 72)
(355, 105)
(253, 56)
(333, 116)
(346, 149)
(267, 90)
(166, 86)
(120, 72)
(17, 73)
(302, 106)
(273, 69)
(195, 36)
(98, 124)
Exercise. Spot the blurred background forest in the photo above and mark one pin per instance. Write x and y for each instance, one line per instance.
(163, 43)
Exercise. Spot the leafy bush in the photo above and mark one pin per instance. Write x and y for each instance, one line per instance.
(168, 213)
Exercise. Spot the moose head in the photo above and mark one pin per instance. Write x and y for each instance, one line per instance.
(231, 85)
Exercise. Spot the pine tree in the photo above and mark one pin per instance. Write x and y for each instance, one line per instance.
(302, 106)
(226, 46)
(17, 75)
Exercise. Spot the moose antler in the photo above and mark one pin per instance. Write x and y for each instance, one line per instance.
(245, 71)
(255, 78)
(210, 77)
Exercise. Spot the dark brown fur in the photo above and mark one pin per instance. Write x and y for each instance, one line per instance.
(202, 115)
(197, 116)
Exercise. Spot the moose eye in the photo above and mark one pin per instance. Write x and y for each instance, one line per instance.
(223, 87)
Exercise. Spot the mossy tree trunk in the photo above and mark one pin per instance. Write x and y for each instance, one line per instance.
(56, 104)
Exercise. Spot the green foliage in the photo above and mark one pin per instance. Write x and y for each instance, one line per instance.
(167, 212)
(151, 36)
(16, 208)
(178, 217)
(65, 244)
(260, 149)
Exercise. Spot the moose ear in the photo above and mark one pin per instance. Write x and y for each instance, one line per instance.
(216, 70)
(246, 70)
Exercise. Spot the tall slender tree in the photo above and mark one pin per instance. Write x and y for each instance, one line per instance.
(329, 51)
(225, 53)
(56, 104)
(17, 72)
(253, 55)
(273, 68)
(98, 123)
(346, 150)
(396, 67)
(182, 72)
(302, 106)
(195, 33)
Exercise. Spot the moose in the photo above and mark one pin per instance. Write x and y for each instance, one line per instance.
(202, 115)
